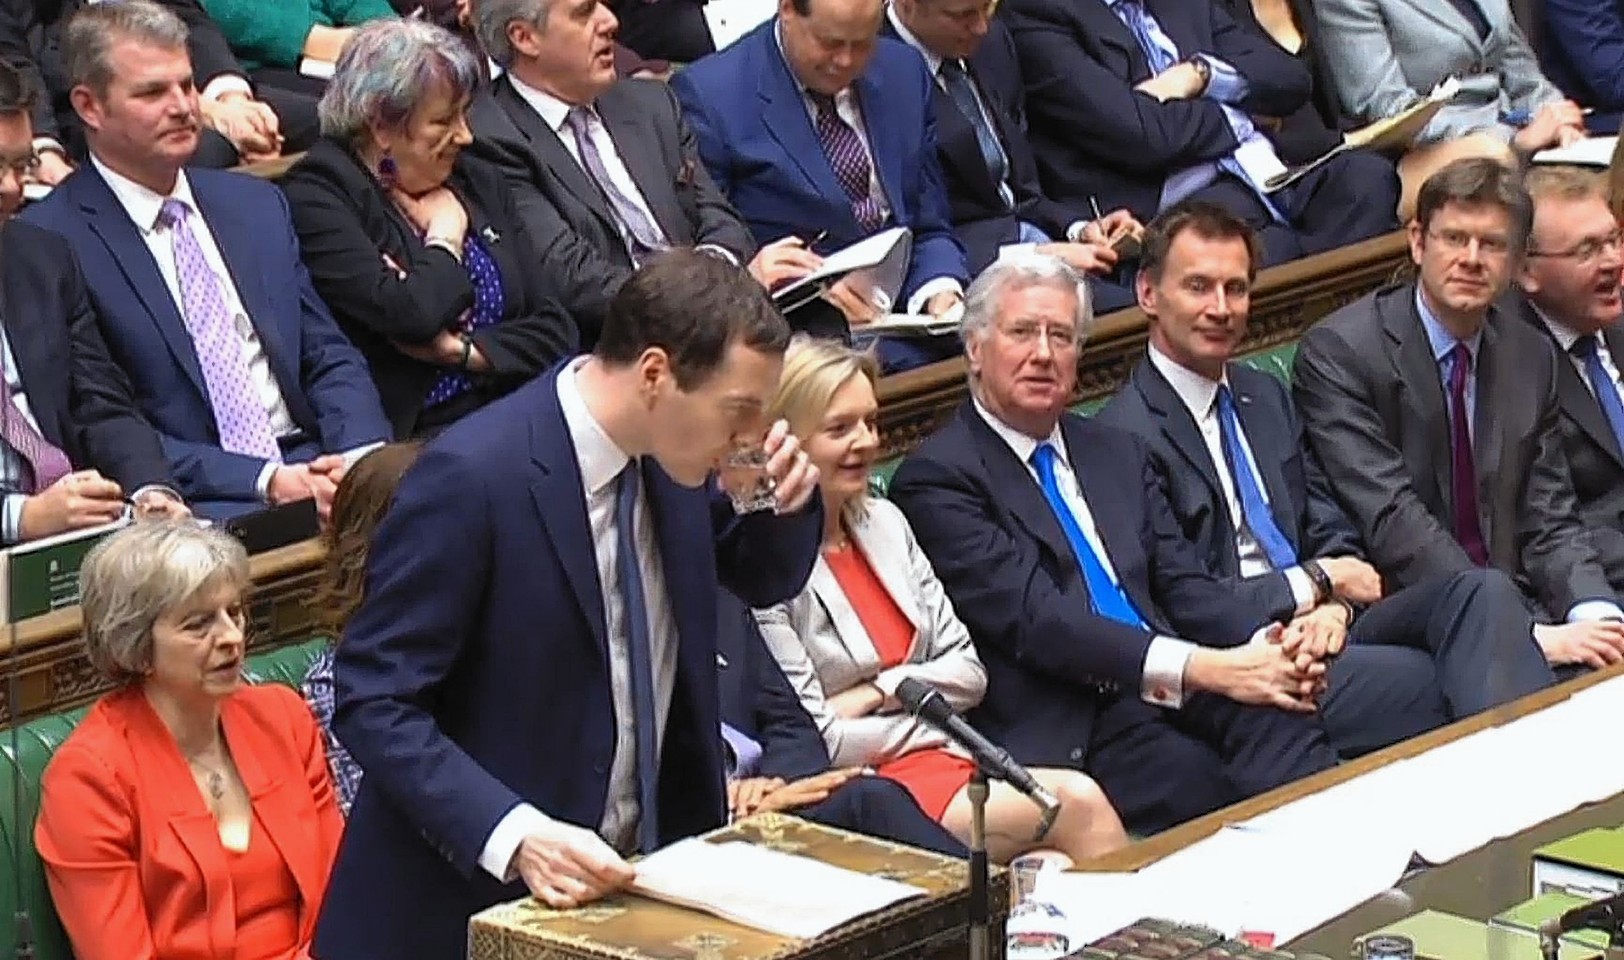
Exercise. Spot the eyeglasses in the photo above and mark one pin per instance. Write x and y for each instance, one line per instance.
(1588, 249)
(23, 166)
(1489, 245)
(1025, 332)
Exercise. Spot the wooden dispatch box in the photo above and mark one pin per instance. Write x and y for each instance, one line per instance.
(633, 927)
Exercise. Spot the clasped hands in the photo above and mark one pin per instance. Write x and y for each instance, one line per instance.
(1285, 664)
(317, 479)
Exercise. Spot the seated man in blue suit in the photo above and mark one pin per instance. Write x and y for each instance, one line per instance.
(1141, 105)
(64, 404)
(814, 125)
(196, 278)
(1228, 449)
(1108, 646)
(776, 760)
(530, 682)
(996, 200)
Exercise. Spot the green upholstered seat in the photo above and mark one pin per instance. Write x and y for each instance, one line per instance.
(37, 741)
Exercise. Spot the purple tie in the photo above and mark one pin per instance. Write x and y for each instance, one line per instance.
(244, 424)
(1468, 529)
(644, 235)
(46, 462)
(850, 161)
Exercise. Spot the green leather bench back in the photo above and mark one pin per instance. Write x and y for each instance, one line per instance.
(37, 741)
(1276, 362)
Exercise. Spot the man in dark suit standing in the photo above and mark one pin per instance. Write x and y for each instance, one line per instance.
(1228, 448)
(814, 125)
(240, 123)
(530, 683)
(196, 279)
(1436, 418)
(776, 759)
(1142, 103)
(1108, 645)
(1569, 290)
(604, 171)
(64, 404)
(992, 180)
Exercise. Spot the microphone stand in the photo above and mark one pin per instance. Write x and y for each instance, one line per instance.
(980, 888)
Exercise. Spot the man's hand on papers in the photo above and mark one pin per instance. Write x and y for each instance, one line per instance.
(1594, 643)
(83, 498)
(565, 866)
(782, 261)
(1557, 124)
(857, 307)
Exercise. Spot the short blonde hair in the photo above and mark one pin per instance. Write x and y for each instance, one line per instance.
(130, 579)
(814, 371)
(1563, 182)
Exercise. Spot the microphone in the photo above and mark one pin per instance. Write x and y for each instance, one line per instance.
(927, 703)
(1605, 914)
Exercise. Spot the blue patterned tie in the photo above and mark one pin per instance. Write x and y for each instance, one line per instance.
(641, 655)
(490, 302)
(1585, 348)
(1254, 508)
(1104, 595)
(849, 160)
(958, 85)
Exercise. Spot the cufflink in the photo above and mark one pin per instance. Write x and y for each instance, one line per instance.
(721, 661)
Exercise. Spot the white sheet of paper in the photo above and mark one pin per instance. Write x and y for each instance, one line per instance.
(1589, 152)
(758, 887)
(877, 254)
(1096, 904)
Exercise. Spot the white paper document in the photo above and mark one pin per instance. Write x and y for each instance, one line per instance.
(762, 888)
(911, 325)
(1589, 152)
(879, 262)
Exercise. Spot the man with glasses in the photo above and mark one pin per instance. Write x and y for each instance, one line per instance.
(1108, 645)
(1570, 291)
(1435, 418)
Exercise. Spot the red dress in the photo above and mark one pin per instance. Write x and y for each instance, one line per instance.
(933, 776)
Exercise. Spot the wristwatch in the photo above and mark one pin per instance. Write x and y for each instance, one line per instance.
(1321, 580)
(1203, 69)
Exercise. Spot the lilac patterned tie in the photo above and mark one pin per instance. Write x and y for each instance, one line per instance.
(244, 424)
(850, 161)
(644, 236)
(46, 462)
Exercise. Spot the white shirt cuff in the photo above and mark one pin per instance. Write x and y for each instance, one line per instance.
(1161, 683)
(43, 144)
(226, 83)
(12, 519)
(1595, 610)
(355, 453)
(930, 288)
(1009, 250)
(1302, 589)
(716, 250)
(263, 484)
(520, 822)
(1074, 232)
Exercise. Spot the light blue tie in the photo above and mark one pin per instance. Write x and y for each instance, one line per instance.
(1254, 508)
(640, 653)
(1104, 595)
(1585, 348)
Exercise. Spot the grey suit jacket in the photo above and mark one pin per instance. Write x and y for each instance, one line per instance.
(566, 214)
(1383, 55)
(1595, 462)
(1368, 391)
(823, 649)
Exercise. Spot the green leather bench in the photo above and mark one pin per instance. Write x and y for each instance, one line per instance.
(36, 742)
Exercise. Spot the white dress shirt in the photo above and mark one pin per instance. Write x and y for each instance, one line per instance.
(1200, 396)
(1162, 677)
(601, 462)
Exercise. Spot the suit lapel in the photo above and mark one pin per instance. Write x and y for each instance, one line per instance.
(1263, 436)
(24, 333)
(544, 143)
(1112, 32)
(1573, 395)
(1017, 488)
(1446, 15)
(112, 225)
(556, 487)
(635, 141)
(842, 615)
(784, 112)
(1178, 426)
(1418, 378)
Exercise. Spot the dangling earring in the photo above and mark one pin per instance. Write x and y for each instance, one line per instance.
(388, 173)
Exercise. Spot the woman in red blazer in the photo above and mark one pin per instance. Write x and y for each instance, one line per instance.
(190, 816)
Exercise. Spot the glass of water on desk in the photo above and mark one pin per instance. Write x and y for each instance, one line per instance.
(744, 477)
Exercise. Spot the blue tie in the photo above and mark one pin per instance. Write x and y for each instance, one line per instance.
(1585, 348)
(641, 657)
(958, 86)
(1254, 508)
(1104, 595)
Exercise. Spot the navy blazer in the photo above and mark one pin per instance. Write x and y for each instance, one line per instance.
(78, 396)
(1300, 497)
(757, 141)
(757, 699)
(322, 377)
(1582, 51)
(1095, 136)
(1012, 575)
(475, 676)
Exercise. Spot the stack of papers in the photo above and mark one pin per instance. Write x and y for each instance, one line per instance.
(762, 888)
(1589, 152)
